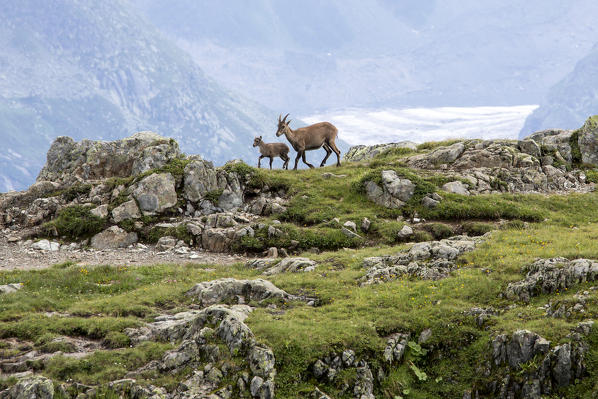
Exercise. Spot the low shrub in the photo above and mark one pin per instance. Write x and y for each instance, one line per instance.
(476, 229)
(439, 230)
(75, 222)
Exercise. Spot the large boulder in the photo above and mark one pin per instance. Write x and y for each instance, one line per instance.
(126, 211)
(112, 238)
(588, 141)
(35, 387)
(200, 178)
(69, 161)
(156, 193)
(395, 191)
(227, 290)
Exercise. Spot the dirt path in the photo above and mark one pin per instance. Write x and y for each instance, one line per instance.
(23, 256)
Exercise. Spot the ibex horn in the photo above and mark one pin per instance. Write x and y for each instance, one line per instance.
(279, 117)
(285, 118)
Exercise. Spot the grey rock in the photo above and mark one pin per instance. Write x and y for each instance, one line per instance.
(364, 385)
(395, 348)
(217, 240)
(100, 211)
(126, 211)
(291, 265)
(272, 252)
(262, 362)
(405, 232)
(69, 162)
(562, 368)
(229, 290)
(546, 276)
(35, 387)
(456, 187)
(165, 243)
(350, 233)
(112, 238)
(401, 189)
(10, 288)
(350, 225)
(429, 202)
(45, 245)
(365, 224)
(156, 193)
(425, 336)
(530, 147)
(588, 141)
(256, 384)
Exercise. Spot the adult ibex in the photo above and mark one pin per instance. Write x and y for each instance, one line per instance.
(272, 150)
(310, 138)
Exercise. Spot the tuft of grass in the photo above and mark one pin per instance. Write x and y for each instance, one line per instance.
(213, 196)
(75, 222)
(431, 145)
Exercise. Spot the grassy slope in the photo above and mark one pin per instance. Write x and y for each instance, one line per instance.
(350, 316)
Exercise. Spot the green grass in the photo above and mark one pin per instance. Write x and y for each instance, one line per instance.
(100, 302)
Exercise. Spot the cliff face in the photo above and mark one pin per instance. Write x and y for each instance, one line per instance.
(99, 71)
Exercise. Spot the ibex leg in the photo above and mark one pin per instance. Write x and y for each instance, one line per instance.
(271, 158)
(259, 161)
(328, 152)
(285, 159)
(297, 159)
(337, 152)
(305, 160)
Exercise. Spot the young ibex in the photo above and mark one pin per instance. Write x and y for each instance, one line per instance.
(272, 150)
(310, 138)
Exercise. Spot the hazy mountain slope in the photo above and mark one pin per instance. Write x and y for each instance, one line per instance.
(569, 102)
(381, 52)
(97, 70)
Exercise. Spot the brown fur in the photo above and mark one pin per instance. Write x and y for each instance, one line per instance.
(310, 138)
(272, 150)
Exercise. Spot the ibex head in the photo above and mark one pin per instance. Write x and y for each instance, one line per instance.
(283, 125)
(257, 141)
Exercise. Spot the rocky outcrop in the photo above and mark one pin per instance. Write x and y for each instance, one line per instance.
(431, 260)
(69, 162)
(530, 367)
(34, 387)
(364, 152)
(286, 265)
(201, 179)
(136, 184)
(230, 290)
(546, 276)
(393, 193)
(540, 163)
(201, 333)
(328, 368)
(588, 141)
